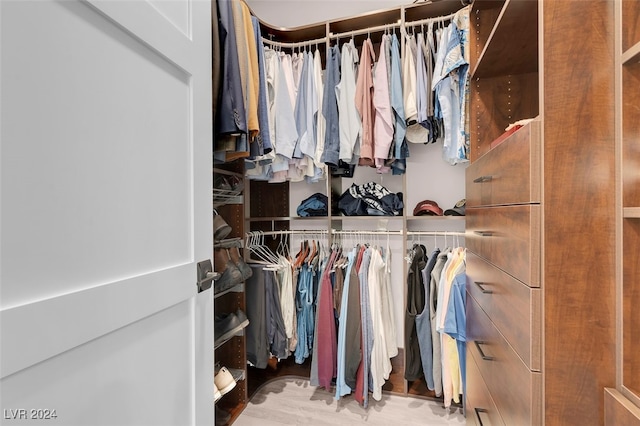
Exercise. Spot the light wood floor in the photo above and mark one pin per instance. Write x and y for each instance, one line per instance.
(293, 401)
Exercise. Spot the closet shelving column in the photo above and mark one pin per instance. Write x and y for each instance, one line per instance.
(504, 379)
(622, 404)
(231, 353)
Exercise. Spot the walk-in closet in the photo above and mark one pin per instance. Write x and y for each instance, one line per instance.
(263, 212)
(491, 158)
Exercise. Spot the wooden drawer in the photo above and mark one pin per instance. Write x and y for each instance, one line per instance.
(479, 406)
(508, 237)
(513, 307)
(509, 173)
(516, 391)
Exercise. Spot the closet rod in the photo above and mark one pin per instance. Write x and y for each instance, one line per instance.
(286, 232)
(294, 43)
(429, 20)
(437, 233)
(379, 28)
(357, 232)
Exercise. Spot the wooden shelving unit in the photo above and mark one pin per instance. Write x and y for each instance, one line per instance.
(623, 401)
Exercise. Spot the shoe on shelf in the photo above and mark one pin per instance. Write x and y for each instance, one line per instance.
(221, 228)
(245, 269)
(230, 273)
(216, 393)
(224, 381)
(226, 325)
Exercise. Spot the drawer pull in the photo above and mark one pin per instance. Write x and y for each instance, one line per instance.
(483, 233)
(478, 411)
(482, 289)
(483, 179)
(482, 355)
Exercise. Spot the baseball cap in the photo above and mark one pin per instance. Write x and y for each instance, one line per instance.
(427, 207)
(458, 209)
(417, 133)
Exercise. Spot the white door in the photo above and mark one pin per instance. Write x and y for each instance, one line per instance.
(105, 211)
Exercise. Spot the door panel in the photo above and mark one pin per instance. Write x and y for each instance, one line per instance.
(105, 210)
(67, 382)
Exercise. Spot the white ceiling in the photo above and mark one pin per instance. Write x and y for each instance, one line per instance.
(295, 13)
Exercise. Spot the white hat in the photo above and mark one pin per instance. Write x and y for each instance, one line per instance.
(416, 133)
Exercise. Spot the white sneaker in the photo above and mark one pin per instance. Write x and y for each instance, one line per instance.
(224, 381)
(216, 393)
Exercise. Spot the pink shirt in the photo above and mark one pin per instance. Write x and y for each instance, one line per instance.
(364, 102)
(383, 125)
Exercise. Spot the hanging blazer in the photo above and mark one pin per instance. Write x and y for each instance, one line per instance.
(231, 111)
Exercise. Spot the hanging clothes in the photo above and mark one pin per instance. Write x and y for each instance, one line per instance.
(401, 150)
(450, 85)
(364, 103)
(414, 306)
(264, 137)
(382, 350)
(353, 345)
(231, 117)
(306, 314)
(326, 340)
(423, 323)
(433, 305)
(451, 379)
(349, 118)
(248, 61)
(321, 168)
(383, 122)
(367, 324)
(331, 152)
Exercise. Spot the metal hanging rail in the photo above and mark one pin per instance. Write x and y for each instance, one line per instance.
(429, 20)
(363, 232)
(369, 30)
(294, 44)
(287, 232)
(438, 233)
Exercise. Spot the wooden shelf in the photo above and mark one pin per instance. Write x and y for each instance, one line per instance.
(365, 218)
(285, 218)
(632, 55)
(436, 218)
(217, 170)
(512, 47)
(238, 288)
(631, 212)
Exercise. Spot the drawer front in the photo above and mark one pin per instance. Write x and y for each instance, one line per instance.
(479, 406)
(508, 237)
(513, 307)
(516, 391)
(509, 173)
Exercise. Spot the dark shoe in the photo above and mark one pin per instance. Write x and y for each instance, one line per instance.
(245, 269)
(226, 325)
(230, 274)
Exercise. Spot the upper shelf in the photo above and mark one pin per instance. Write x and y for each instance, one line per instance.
(512, 47)
(631, 212)
(632, 55)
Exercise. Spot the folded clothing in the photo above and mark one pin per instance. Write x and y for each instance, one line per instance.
(316, 205)
(370, 199)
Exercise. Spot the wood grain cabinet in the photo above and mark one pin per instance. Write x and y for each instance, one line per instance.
(622, 402)
(541, 213)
